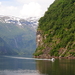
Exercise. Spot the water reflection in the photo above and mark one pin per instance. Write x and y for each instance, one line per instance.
(7, 63)
(19, 72)
(31, 66)
(12, 65)
(59, 67)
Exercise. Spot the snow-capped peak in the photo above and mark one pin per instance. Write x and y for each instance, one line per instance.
(31, 21)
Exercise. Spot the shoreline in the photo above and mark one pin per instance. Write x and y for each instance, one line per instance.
(53, 57)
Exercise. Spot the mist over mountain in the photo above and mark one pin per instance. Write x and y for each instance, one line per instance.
(18, 36)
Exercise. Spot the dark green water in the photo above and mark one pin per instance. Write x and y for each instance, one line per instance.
(26, 66)
(58, 67)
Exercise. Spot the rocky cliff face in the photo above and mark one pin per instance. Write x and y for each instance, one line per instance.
(42, 50)
(39, 39)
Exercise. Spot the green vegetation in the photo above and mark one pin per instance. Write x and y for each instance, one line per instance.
(58, 24)
(39, 51)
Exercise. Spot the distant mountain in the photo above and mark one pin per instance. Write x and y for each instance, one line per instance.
(18, 36)
(31, 21)
(5, 49)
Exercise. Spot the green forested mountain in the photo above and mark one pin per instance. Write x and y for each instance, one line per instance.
(57, 30)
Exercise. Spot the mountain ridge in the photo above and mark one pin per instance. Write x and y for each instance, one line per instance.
(31, 21)
(18, 35)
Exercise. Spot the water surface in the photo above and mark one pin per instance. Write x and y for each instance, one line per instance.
(25, 65)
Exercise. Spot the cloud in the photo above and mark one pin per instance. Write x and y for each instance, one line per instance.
(31, 9)
(8, 10)
(37, 7)
(0, 3)
(26, 1)
(38, 1)
(24, 8)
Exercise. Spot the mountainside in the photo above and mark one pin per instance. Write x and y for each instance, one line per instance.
(31, 21)
(5, 49)
(56, 31)
(17, 36)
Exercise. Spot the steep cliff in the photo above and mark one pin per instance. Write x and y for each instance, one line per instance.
(56, 31)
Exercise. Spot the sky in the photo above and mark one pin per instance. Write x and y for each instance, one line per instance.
(24, 8)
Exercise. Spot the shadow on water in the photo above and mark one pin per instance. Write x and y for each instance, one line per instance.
(59, 67)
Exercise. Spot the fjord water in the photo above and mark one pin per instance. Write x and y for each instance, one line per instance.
(24, 65)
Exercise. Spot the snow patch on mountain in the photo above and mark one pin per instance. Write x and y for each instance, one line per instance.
(31, 21)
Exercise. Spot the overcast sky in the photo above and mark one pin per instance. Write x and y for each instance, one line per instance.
(24, 8)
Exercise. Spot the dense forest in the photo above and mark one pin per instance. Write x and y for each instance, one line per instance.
(57, 29)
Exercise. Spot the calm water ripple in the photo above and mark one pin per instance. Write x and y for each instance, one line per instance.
(17, 65)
